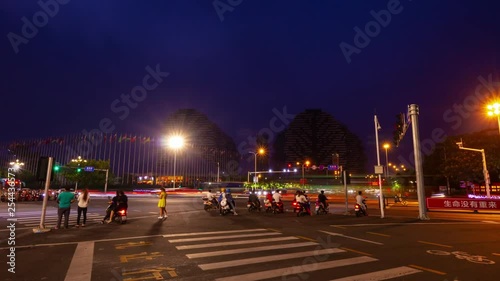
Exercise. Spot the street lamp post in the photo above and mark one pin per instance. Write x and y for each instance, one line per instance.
(494, 110)
(303, 165)
(175, 143)
(78, 161)
(255, 153)
(386, 146)
(485, 169)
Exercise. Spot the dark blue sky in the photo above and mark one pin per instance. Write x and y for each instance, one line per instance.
(262, 55)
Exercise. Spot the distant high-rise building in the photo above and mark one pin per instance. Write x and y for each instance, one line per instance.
(316, 136)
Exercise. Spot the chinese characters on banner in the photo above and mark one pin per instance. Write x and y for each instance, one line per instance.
(464, 204)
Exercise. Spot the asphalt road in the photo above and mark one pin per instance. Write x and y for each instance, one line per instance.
(196, 245)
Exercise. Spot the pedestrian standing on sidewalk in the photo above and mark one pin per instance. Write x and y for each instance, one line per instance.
(64, 201)
(162, 204)
(83, 202)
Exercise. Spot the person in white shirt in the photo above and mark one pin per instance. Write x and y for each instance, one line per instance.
(360, 200)
(302, 200)
(83, 202)
(277, 197)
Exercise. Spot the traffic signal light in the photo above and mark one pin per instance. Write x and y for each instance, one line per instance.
(42, 167)
(399, 128)
(78, 170)
(56, 168)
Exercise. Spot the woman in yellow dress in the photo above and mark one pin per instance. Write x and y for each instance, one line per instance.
(162, 204)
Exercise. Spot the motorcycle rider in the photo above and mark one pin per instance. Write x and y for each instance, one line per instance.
(302, 200)
(229, 199)
(360, 200)
(277, 200)
(252, 198)
(121, 202)
(211, 198)
(322, 199)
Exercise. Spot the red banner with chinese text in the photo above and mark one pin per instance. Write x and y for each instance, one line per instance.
(464, 203)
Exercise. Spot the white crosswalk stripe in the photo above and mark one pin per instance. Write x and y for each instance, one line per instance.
(275, 249)
(51, 219)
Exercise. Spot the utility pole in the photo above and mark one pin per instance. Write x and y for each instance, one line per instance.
(486, 174)
(413, 112)
(381, 195)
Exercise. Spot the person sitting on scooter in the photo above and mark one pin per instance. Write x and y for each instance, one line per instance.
(322, 199)
(302, 200)
(112, 205)
(277, 200)
(121, 203)
(252, 198)
(230, 200)
(360, 200)
(211, 198)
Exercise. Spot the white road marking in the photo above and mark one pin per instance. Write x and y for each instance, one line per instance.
(249, 250)
(80, 268)
(382, 274)
(401, 223)
(295, 270)
(232, 263)
(222, 237)
(350, 237)
(213, 232)
(230, 243)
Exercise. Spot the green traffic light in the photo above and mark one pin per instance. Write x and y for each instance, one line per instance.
(78, 170)
(56, 168)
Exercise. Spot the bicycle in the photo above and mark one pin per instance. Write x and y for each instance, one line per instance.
(462, 256)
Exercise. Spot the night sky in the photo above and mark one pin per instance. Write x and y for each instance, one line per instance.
(237, 63)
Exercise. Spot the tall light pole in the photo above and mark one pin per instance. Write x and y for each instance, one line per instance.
(494, 110)
(175, 143)
(386, 146)
(255, 153)
(303, 165)
(486, 174)
(78, 161)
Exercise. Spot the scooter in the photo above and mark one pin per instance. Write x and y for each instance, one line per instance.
(210, 204)
(252, 206)
(359, 211)
(321, 209)
(121, 213)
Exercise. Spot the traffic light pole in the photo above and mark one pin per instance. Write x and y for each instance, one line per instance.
(381, 194)
(413, 111)
(41, 228)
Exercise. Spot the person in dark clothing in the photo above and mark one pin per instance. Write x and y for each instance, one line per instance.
(254, 199)
(121, 202)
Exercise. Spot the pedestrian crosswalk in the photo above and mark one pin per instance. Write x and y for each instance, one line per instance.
(270, 254)
(51, 219)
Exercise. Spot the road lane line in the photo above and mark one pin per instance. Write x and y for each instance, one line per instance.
(495, 254)
(213, 232)
(435, 244)
(222, 237)
(306, 238)
(230, 243)
(249, 250)
(355, 251)
(233, 263)
(296, 270)
(80, 268)
(403, 223)
(427, 269)
(350, 237)
(382, 274)
(379, 234)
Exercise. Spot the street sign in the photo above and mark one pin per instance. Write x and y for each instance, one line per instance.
(88, 169)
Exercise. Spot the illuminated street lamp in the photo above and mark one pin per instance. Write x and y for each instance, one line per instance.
(386, 146)
(307, 163)
(16, 165)
(175, 143)
(255, 153)
(78, 161)
(494, 110)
